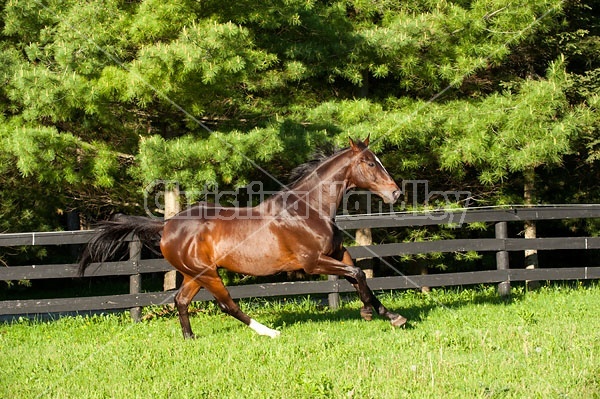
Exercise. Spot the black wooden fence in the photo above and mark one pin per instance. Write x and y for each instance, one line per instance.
(501, 245)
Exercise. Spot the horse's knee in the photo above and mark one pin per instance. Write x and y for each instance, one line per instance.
(357, 274)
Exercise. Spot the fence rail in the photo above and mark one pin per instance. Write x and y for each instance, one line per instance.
(501, 245)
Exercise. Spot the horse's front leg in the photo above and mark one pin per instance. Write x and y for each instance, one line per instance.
(346, 268)
(366, 312)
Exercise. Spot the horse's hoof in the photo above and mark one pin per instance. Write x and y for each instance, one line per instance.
(366, 315)
(275, 334)
(398, 321)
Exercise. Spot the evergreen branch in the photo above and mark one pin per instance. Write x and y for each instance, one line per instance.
(491, 14)
(162, 94)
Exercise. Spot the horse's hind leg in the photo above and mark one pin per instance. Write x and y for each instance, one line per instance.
(213, 283)
(189, 288)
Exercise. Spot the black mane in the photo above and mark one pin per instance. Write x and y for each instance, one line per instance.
(317, 157)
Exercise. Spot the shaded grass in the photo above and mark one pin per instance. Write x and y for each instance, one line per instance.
(458, 344)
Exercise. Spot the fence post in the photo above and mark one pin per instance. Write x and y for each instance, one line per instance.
(135, 280)
(364, 237)
(172, 207)
(334, 297)
(502, 258)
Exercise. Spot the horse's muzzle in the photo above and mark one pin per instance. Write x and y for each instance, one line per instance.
(390, 197)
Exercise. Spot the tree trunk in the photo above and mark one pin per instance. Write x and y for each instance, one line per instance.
(172, 207)
(364, 89)
(529, 197)
(365, 237)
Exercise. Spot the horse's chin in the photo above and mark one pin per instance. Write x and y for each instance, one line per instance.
(388, 198)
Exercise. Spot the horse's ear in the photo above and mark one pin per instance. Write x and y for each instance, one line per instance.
(366, 141)
(353, 145)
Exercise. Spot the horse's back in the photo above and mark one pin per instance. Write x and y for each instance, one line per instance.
(240, 239)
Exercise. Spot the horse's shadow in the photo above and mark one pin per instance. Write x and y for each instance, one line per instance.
(415, 313)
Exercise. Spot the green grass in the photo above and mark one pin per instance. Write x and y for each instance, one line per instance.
(459, 344)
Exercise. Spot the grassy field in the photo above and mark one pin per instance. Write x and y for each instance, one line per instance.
(459, 344)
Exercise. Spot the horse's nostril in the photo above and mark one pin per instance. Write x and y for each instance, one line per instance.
(397, 194)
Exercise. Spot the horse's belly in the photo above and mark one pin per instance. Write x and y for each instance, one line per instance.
(254, 258)
(256, 254)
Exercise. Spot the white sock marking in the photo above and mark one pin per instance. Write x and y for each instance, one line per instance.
(262, 329)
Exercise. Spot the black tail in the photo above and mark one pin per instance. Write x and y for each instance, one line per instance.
(110, 236)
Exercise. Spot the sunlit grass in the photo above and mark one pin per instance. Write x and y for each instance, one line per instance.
(459, 343)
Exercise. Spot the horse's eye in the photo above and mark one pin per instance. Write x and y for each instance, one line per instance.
(371, 164)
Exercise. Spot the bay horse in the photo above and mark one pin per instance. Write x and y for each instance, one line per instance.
(292, 230)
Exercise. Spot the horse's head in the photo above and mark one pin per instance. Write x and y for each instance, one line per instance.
(367, 172)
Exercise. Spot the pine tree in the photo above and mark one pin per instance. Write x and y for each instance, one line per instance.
(102, 98)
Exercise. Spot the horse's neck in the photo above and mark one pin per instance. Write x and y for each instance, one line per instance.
(324, 188)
